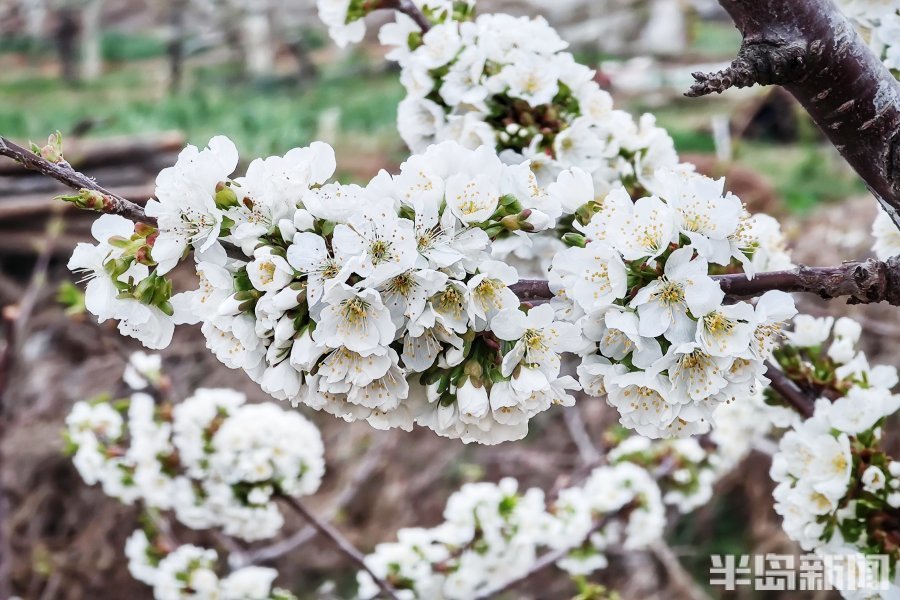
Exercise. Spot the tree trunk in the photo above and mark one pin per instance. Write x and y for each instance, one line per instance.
(810, 48)
(257, 38)
(175, 48)
(92, 40)
(66, 38)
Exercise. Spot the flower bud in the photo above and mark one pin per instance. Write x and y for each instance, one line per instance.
(144, 230)
(511, 222)
(284, 329)
(473, 369)
(231, 306)
(287, 229)
(574, 239)
(143, 256)
(145, 290)
(225, 196)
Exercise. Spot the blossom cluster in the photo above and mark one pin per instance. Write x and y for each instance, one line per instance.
(659, 340)
(212, 460)
(507, 82)
(188, 572)
(492, 533)
(879, 23)
(686, 469)
(370, 302)
(383, 303)
(120, 283)
(836, 485)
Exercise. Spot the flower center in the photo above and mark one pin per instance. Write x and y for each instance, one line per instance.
(718, 324)
(380, 250)
(355, 310)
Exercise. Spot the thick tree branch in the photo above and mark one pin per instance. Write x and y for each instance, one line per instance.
(789, 390)
(64, 173)
(865, 282)
(760, 63)
(810, 48)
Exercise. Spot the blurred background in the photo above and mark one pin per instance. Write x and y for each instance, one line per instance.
(129, 82)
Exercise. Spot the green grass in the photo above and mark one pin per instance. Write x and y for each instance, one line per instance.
(804, 174)
(118, 46)
(262, 118)
(115, 46)
(714, 39)
(273, 116)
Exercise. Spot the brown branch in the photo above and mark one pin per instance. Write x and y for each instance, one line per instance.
(532, 289)
(789, 390)
(8, 318)
(866, 282)
(760, 63)
(549, 559)
(367, 465)
(342, 543)
(811, 48)
(65, 174)
(409, 8)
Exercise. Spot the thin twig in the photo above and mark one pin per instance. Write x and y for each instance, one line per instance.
(367, 465)
(550, 558)
(679, 578)
(8, 319)
(580, 436)
(545, 561)
(39, 274)
(789, 391)
(64, 173)
(342, 543)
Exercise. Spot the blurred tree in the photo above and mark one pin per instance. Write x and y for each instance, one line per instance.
(65, 36)
(91, 40)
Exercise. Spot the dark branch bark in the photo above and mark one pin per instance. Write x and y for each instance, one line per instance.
(409, 8)
(757, 63)
(532, 289)
(866, 282)
(790, 391)
(810, 48)
(65, 174)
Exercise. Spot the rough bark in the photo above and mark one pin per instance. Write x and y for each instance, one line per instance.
(810, 48)
(865, 282)
(64, 173)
